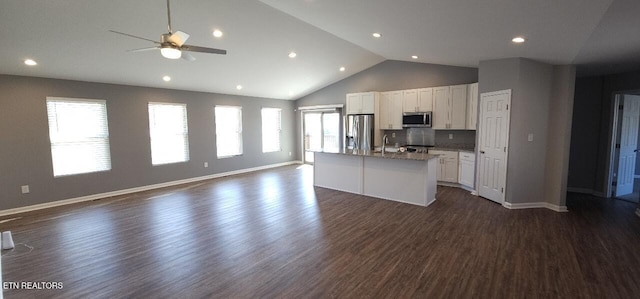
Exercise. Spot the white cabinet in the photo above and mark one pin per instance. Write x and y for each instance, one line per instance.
(472, 106)
(440, 107)
(447, 166)
(391, 110)
(458, 107)
(467, 169)
(417, 100)
(361, 103)
(450, 107)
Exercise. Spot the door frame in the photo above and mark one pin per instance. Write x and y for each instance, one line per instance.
(480, 134)
(339, 108)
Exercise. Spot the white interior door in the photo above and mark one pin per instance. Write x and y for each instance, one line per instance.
(628, 145)
(493, 143)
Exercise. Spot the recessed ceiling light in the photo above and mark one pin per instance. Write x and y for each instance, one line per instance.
(293, 55)
(376, 35)
(342, 69)
(30, 62)
(239, 87)
(217, 33)
(518, 39)
(414, 57)
(166, 78)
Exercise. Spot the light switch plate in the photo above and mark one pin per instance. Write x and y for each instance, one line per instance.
(25, 189)
(206, 164)
(530, 137)
(450, 136)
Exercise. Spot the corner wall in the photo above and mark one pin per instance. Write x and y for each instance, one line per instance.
(25, 153)
(536, 89)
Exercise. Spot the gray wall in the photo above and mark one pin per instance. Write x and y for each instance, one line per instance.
(385, 76)
(532, 99)
(559, 139)
(585, 135)
(25, 155)
(594, 119)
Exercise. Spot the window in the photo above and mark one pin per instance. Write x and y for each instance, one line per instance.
(169, 133)
(79, 136)
(228, 131)
(271, 129)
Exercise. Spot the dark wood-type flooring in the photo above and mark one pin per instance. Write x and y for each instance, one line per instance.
(271, 234)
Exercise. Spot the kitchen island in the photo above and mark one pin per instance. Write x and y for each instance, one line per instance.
(404, 177)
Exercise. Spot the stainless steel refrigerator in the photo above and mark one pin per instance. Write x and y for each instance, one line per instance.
(359, 128)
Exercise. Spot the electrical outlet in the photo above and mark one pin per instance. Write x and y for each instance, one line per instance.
(206, 164)
(450, 136)
(393, 135)
(25, 189)
(289, 154)
(530, 137)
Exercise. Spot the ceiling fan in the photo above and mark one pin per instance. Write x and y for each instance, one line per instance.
(172, 44)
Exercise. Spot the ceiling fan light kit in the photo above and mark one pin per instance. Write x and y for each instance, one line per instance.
(172, 44)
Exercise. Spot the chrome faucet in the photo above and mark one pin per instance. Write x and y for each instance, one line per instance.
(385, 140)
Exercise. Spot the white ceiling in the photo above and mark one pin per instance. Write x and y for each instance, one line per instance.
(70, 39)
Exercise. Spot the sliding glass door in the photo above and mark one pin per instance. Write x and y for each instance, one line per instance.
(321, 132)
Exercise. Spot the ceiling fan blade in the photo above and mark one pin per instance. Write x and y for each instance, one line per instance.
(143, 49)
(129, 35)
(203, 49)
(188, 57)
(178, 38)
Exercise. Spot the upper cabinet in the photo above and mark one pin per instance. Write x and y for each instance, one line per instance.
(450, 107)
(472, 107)
(361, 103)
(391, 104)
(417, 100)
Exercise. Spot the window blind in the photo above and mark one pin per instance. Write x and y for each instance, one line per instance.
(79, 135)
(271, 129)
(228, 121)
(169, 133)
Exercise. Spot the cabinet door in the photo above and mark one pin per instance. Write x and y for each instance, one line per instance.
(458, 118)
(395, 110)
(425, 99)
(410, 101)
(441, 107)
(385, 103)
(472, 107)
(450, 173)
(465, 175)
(368, 103)
(354, 103)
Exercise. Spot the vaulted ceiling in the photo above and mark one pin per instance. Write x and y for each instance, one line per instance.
(70, 39)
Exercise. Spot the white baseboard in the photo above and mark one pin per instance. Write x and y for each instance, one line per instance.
(534, 205)
(137, 189)
(585, 191)
(638, 212)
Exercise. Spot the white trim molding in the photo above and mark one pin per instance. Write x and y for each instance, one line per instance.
(137, 189)
(534, 205)
(319, 107)
(585, 191)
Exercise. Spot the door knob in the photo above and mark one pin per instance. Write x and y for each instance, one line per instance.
(482, 152)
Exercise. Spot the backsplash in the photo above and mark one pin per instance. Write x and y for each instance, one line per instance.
(463, 139)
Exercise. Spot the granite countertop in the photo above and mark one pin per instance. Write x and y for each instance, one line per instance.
(387, 155)
(453, 149)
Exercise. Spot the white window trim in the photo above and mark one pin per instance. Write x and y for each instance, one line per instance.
(240, 132)
(108, 138)
(188, 152)
(279, 129)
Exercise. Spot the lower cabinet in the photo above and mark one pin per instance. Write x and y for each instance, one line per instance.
(467, 169)
(447, 166)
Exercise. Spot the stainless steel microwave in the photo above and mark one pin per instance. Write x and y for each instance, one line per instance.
(416, 119)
